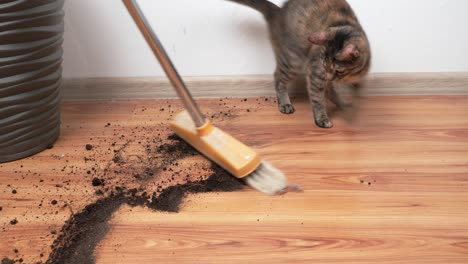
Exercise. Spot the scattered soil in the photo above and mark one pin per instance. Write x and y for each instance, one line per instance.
(220, 181)
(85, 230)
(82, 233)
(148, 167)
(8, 261)
(97, 182)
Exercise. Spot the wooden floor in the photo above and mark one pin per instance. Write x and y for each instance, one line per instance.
(389, 187)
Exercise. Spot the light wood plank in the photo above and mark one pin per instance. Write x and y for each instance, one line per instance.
(412, 150)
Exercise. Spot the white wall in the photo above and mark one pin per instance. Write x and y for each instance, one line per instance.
(216, 37)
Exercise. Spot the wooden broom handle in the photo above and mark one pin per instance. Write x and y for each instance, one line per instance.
(164, 60)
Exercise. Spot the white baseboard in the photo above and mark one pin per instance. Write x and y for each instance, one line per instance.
(382, 84)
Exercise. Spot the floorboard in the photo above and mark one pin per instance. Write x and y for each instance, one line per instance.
(387, 185)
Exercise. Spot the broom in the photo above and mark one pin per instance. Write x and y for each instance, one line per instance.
(190, 125)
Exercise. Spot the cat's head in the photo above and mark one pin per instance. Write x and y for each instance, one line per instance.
(347, 53)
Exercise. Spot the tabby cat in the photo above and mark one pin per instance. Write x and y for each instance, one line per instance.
(322, 39)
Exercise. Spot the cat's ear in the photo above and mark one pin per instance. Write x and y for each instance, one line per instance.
(349, 52)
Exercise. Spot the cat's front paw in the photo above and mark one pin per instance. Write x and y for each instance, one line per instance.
(287, 109)
(323, 122)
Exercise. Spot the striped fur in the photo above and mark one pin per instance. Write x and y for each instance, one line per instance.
(322, 39)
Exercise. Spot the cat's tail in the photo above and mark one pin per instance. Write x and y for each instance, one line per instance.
(267, 8)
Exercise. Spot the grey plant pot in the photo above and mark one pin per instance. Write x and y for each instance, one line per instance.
(31, 36)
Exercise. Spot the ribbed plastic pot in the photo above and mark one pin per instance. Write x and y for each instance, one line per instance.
(31, 36)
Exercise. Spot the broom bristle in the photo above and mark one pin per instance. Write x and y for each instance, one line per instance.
(269, 180)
